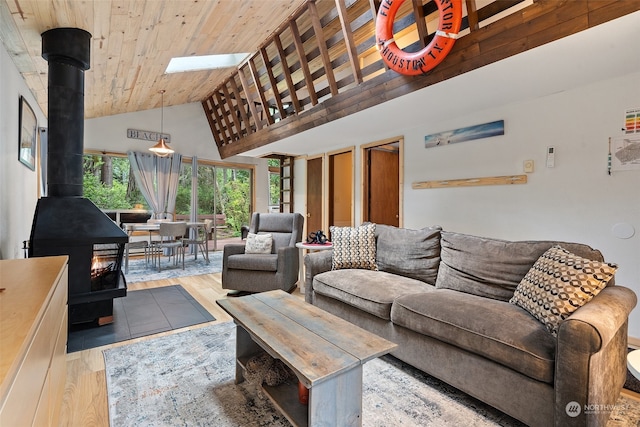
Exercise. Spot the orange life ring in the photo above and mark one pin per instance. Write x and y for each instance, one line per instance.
(413, 64)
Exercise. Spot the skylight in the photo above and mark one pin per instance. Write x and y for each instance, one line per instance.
(206, 62)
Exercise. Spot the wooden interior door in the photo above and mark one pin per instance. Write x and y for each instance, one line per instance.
(314, 195)
(383, 186)
(341, 189)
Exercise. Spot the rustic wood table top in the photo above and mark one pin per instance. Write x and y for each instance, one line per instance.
(316, 344)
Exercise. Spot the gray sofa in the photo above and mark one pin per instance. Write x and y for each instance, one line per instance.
(443, 297)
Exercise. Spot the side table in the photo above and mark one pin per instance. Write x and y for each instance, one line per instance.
(633, 363)
(312, 247)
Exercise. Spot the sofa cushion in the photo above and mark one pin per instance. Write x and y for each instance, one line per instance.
(493, 268)
(354, 247)
(409, 253)
(497, 330)
(258, 243)
(558, 284)
(262, 262)
(367, 290)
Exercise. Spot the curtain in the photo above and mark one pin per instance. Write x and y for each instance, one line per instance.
(194, 200)
(157, 178)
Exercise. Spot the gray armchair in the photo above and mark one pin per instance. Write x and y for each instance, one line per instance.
(265, 272)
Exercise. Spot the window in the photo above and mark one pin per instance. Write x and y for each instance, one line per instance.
(220, 189)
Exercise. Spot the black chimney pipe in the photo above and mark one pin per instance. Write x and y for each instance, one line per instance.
(64, 222)
(67, 50)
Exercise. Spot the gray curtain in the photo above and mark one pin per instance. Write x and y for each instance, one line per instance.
(194, 199)
(157, 178)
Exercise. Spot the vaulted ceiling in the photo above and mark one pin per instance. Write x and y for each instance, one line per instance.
(312, 62)
(133, 41)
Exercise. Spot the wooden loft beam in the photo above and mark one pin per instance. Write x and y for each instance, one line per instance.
(348, 40)
(322, 45)
(542, 22)
(287, 75)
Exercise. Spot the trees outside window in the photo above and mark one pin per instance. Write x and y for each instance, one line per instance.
(109, 183)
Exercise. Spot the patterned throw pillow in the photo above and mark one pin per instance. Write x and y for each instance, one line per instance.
(354, 247)
(258, 243)
(558, 284)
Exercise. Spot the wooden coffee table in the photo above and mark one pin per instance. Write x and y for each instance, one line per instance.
(325, 352)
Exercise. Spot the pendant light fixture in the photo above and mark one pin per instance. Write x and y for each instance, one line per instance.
(162, 149)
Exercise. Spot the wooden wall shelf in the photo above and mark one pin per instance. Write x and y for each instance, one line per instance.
(471, 182)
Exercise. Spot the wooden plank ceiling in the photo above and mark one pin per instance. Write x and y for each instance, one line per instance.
(312, 61)
(133, 42)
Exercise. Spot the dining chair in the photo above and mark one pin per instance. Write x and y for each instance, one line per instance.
(200, 239)
(141, 244)
(171, 238)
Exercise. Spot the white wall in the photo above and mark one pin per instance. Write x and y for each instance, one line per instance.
(18, 184)
(190, 136)
(574, 201)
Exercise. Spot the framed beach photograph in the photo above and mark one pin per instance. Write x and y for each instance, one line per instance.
(27, 135)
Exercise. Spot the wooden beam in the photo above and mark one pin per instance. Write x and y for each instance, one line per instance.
(240, 106)
(421, 23)
(352, 52)
(304, 64)
(272, 81)
(322, 45)
(287, 75)
(225, 117)
(208, 111)
(472, 15)
(232, 111)
(250, 99)
(260, 90)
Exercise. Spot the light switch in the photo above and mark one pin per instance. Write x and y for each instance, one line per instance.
(528, 166)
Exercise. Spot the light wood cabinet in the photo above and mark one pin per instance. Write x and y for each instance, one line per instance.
(33, 340)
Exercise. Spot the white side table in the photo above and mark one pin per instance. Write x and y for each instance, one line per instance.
(312, 247)
(633, 363)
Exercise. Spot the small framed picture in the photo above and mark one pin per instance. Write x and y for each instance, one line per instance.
(27, 135)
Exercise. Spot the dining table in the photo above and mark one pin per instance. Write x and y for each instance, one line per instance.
(154, 227)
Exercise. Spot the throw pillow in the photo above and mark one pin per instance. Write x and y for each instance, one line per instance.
(258, 243)
(558, 284)
(354, 247)
(409, 253)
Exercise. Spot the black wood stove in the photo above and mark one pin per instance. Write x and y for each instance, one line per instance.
(65, 223)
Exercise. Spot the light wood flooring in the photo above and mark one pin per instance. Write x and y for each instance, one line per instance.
(85, 397)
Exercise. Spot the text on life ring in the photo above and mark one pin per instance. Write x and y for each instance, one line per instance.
(416, 63)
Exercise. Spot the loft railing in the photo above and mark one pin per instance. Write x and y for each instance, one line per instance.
(305, 73)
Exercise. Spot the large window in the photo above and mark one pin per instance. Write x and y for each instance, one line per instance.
(220, 189)
(109, 184)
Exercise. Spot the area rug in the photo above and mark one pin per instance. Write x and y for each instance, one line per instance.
(187, 379)
(141, 313)
(140, 271)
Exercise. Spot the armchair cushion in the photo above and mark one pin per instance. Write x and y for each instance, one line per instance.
(261, 262)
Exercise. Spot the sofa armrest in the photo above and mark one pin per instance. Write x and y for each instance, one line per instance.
(315, 263)
(591, 354)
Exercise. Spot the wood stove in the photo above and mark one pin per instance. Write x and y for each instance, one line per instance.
(65, 223)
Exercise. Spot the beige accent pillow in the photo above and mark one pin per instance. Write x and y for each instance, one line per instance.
(558, 284)
(258, 243)
(354, 247)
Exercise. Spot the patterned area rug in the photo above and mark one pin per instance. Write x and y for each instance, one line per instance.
(188, 379)
(140, 271)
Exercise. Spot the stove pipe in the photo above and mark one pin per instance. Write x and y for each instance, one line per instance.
(67, 50)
